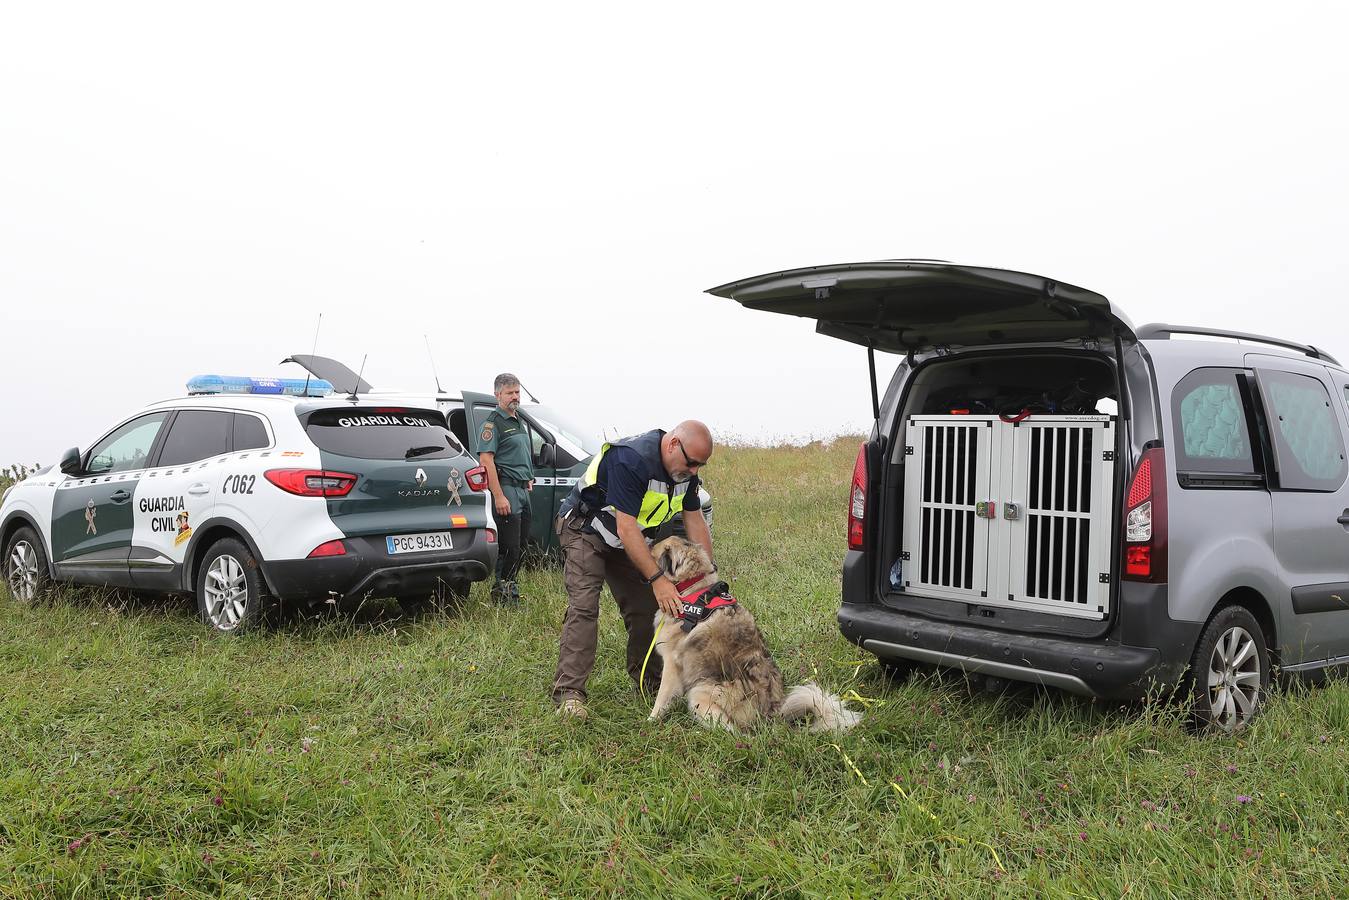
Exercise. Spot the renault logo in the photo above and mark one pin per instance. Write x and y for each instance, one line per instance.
(420, 477)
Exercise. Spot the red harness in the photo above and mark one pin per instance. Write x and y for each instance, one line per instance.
(696, 607)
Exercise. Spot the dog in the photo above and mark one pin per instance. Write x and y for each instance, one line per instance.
(716, 656)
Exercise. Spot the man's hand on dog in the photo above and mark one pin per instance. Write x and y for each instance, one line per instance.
(667, 596)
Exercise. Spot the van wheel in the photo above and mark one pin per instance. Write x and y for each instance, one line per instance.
(231, 594)
(895, 670)
(1230, 671)
(25, 569)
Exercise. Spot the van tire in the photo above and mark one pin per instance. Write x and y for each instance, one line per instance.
(894, 671)
(1230, 672)
(231, 594)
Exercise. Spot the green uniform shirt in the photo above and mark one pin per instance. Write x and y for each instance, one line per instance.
(505, 437)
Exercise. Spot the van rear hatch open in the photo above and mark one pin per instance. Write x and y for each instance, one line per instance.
(905, 306)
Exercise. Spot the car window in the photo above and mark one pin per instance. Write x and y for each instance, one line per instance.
(128, 448)
(459, 425)
(1210, 418)
(535, 442)
(1305, 430)
(196, 434)
(382, 433)
(249, 433)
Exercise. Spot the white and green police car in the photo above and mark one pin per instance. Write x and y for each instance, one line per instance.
(251, 489)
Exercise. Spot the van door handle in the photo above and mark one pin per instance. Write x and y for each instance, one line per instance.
(1344, 518)
(199, 488)
(121, 495)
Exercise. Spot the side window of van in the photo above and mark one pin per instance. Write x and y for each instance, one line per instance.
(1212, 425)
(1305, 430)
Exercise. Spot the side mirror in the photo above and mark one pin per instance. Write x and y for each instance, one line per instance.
(70, 461)
(548, 455)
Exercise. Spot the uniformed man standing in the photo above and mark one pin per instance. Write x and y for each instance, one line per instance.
(505, 452)
(632, 487)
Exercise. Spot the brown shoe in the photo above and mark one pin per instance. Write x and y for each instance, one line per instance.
(572, 707)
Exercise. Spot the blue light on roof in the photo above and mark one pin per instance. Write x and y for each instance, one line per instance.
(239, 384)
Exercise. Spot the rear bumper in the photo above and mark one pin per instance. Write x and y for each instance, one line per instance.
(1093, 668)
(367, 570)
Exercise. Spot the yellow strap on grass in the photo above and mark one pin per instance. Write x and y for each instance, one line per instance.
(641, 679)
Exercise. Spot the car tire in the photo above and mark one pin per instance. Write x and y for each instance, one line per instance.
(231, 594)
(452, 594)
(413, 605)
(25, 567)
(1230, 672)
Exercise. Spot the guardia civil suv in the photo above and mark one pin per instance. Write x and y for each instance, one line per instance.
(1051, 494)
(252, 489)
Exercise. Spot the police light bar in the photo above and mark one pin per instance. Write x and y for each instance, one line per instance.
(238, 384)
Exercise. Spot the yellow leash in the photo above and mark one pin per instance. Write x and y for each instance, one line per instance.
(641, 679)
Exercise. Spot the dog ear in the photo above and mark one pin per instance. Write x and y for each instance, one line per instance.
(664, 560)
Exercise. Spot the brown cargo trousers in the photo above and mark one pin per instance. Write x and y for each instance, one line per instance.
(588, 564)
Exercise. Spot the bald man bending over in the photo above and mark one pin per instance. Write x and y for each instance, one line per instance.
(632, 487)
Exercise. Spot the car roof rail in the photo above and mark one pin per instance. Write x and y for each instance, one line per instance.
(1162, 331)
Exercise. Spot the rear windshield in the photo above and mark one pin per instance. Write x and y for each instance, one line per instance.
(382, 433)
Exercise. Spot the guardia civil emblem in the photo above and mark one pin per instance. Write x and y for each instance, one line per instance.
(89, 515)
(453, 485)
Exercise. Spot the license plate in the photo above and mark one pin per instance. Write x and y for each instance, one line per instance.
(418, 543)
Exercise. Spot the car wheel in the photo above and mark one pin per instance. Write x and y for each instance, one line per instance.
(453, 593)
(415, 604)
(1230, 671)
(25, 569)
(231, 594)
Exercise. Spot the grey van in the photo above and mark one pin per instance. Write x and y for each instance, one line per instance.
(1053, 495)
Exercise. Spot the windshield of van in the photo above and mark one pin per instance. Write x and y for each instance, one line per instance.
(563, 428)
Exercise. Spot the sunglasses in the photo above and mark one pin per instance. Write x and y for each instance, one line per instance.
(691, 463)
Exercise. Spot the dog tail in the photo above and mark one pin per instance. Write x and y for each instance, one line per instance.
(826, 710)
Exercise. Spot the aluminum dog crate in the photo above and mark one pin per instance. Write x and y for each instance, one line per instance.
(1010, 513)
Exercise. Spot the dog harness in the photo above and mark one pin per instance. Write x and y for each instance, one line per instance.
(697, 607)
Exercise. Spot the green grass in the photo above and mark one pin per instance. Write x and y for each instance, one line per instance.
(385, 757)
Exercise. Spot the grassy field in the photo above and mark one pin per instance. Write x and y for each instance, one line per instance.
(325, 757)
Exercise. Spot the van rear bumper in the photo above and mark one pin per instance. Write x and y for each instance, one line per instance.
(1093, 668)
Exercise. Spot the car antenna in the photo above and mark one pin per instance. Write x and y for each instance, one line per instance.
(307, 373)
(532, 398)
(436, 375)
(358, 378)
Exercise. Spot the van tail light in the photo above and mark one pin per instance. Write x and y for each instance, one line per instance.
(1145, 519)
(476, 478)
(312, 482)
(857, 501)
(329, 548)
(491, 535)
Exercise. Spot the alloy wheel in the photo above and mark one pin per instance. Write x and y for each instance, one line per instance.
(226, 592)
(1234, 679)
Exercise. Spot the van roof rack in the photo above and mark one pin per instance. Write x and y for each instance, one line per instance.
(1159, 330)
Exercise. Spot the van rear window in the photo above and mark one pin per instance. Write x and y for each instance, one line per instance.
(382, 433)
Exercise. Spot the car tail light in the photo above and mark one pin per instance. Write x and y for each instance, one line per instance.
(491, 535)
(312, 482)
(1145, 519)
(330, 548)
(857, 501)
(476, 478)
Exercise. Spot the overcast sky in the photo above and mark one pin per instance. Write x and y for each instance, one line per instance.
(549, 188)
